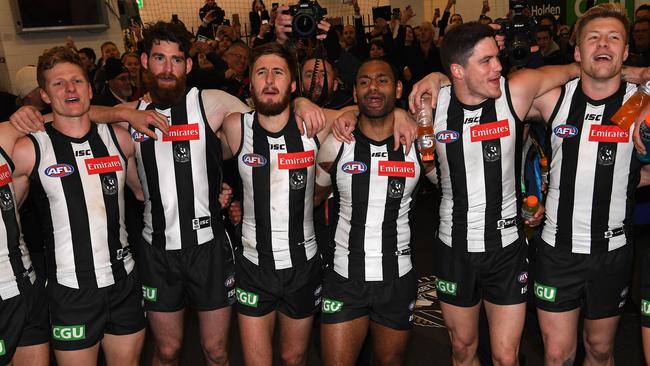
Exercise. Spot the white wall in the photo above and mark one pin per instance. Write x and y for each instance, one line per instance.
(23, 49)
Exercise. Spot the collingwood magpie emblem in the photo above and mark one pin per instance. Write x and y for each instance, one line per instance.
(297, 180)
(395, 188)
(491, 152)
(181, 153)
(605, 155)
(6, 200)
(109, 185)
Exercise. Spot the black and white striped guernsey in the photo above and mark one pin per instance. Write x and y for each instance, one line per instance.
(277, 172)
(181, 177)
(374, 191)
(593, 174)
(15, 263)
(478, 162)
(78, 185)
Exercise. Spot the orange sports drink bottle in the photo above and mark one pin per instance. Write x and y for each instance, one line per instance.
(530, 206)
(426, 140)
(630, 110)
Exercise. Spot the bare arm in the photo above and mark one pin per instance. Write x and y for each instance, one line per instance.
(528, 84)
(326, 156)
(219, 104)
(645, 176)
(230, 135)
(24, 158)
(127, 147)
(636, 75)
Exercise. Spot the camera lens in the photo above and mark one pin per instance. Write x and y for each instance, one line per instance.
(304, 25)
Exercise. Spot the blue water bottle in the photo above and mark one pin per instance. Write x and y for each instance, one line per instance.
(644, 131)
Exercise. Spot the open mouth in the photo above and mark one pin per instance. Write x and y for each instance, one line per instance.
(72, 100)
(603, 57)
(270, 92)
(374, 101)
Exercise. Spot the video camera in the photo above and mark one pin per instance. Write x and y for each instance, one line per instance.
(520, 32)
(306, 16)
(212, 7)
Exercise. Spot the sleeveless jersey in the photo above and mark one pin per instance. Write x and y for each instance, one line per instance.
(478, 162)
(15, 263)
(181, 177)
(593, 173)
(78, 185)
(277, 172)
(374, 191)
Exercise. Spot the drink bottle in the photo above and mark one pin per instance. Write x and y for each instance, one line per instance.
(530, 206)
(426, 140)
(629, 111)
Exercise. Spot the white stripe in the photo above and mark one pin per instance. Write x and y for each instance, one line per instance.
(376, 209)
(342, 233)
(474, 175)
(249, 235)
(447, 203)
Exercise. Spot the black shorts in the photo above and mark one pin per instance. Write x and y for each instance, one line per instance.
(295, 292)
(645, 289)
(389, 303)
(200, 277)
(81, 317)
(599, 283)
(24, 320)
(498, 276)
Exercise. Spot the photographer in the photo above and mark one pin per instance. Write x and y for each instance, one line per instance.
(211, 16)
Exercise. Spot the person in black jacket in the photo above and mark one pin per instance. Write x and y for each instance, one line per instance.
(118, 87)
(257, 16)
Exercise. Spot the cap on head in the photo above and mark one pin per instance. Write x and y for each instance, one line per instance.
(114, 68)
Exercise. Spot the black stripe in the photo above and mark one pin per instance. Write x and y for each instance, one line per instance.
(390, 264)
(42, 206)
(604, 178)
(296, 222)
(493, 178)
(262, 197)
(158, 220)
(11, 222)
(184, 179)
(112, 203)
(457, 175)
(570, 150)
(360, 194)
(214, 159)
(77, 211)
(334, 210)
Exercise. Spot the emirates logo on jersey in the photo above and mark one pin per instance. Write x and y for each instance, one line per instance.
(404, 169)
(106, 164)
(5, 175)
(182, 133)
(600, 133)
(296, 160)
(490, 131)
(59, 170)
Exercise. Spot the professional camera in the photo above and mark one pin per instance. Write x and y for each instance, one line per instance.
(306, 16)
(212, 7)
(520, 32)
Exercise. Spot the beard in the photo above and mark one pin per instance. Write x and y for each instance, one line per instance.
(165, 96)
(272, 108)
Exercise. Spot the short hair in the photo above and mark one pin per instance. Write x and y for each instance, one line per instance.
(89, 52)
(274, 48)
(549, 16)
(545, 29)
(240, 44)
(53, 57)
(642, 7)
(378, 42)
(602, 11)
(106, 44)
(392, 68)
(168, 32)
(458, 45)
(320, 60)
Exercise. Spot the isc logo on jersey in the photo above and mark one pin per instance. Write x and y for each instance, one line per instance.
(59, 170)
(354, 167)
(447, 136)
(565, 131)
(254, 160)
(139, 137)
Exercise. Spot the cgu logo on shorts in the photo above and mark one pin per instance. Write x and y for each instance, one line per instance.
(69, 332)
(247, 298)
(645, 307)
(546, 293)
(59, 170)
(3, 350)
(331, 306)
(149, 293)
(446, 287)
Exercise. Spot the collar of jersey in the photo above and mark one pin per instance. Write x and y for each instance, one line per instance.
(282, 132)
(54, 133)
(617, 94)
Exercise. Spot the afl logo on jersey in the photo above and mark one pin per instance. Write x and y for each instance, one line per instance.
(59, 170)
(447, 136)
(139, 137)
(354, 167)
(254, 160)
(565, 131)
